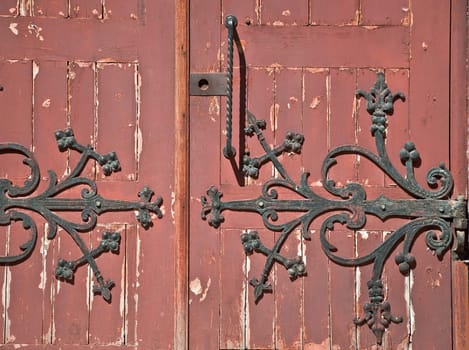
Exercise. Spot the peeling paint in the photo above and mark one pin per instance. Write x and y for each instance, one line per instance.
(324, 345)
(195, 286)
(35, 70)
(44, 250)
(315, 102)
(274, 109)
(286, 13)
(214, 108)
(278, 24)
(36, 31)
(46, 103)
(247, 317)
(14, 28)
(409, 284)
(173, 202)
(6, 301)
(204, 294)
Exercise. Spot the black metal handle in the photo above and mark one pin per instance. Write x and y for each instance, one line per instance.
(229, 151)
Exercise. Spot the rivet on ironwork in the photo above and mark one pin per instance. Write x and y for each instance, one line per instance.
(430, 208)
(16, 201)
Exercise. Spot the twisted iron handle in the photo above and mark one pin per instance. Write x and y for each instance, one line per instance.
(229, 151)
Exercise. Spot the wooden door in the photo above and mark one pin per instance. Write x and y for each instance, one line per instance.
(104, 69)
(303, 62)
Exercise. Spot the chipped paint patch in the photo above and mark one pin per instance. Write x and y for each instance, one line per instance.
(409, 284)
(204, 294)
(195, 286)
(315, 102)
(36, 31)
(44, 250)
(173, 202)
(324, 345)
(274, 109)
(46, 103)
(214, 108)
(14, 28)
(286, 13)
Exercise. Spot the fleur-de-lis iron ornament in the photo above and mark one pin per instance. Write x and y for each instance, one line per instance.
(16, 201)
(430, 209)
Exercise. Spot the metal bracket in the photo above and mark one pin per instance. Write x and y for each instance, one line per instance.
(17, 202)
(207, 84)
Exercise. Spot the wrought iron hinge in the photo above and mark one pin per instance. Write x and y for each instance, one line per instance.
(17, 202)
(431, 208)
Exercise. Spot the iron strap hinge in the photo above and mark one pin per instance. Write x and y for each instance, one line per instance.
(459, 214)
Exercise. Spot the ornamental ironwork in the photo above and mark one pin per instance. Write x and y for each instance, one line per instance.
(17, 201)
(430, 209)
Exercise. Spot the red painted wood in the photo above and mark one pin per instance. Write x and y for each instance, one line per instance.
(342, 122)
(429, 116)
(117, 118)
(315, 108)
(342, 297)
(279, 13)
(336, 12)
(385, 12)
(289, 115)
(17, 86)
(327, 46)
(124, 9)
(9, 8)
(58, 33)
(86, 9)
(288, 298)
(54, 8)
(260, 318)
(112, 266)
(233, 290)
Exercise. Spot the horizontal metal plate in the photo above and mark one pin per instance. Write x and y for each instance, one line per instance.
(208, 84)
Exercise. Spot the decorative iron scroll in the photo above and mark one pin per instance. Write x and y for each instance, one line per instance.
(15, 200)
(431, 209)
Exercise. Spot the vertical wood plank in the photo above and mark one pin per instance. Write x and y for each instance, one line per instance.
(233, 289)
(261, 103)
(279, 13)
(335, 13)
(86, 9)
(260, 317)
(81, 109)
(71, 319)
(9, 8)
(50, 114)
(288, 96)
(315, 119)
(458, 108)
(288, 298)
(316, 297)
(342, 292)
(342, 122)
(23, 314)
(117, 118)
(16, 104)
(398, 132)
(384, 12)
(368, 173)
(182, 163)
(248, 12)
(161, 284)
(123, 9)
(429, 110)
(112, 267)
(51, 8)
